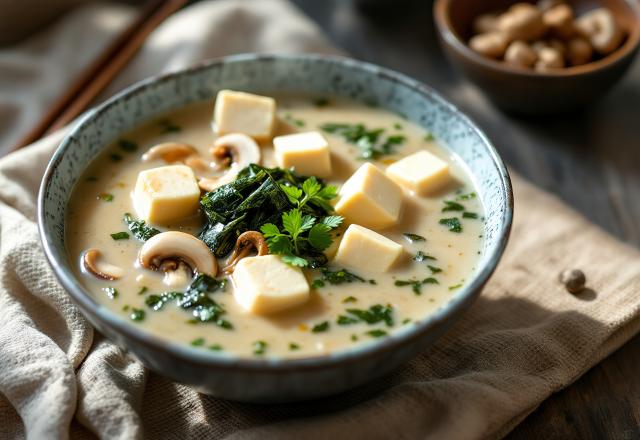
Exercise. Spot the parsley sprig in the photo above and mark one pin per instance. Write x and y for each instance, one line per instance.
(302, 231)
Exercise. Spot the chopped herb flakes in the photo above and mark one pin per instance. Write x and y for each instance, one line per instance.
(199, 342)
(375, 314)
(340, 276)
(317, 284)
(139, 229)
(321, 102)
(321, 327)
(421, 256)
(413, 237)
(215, 347)
(416, 285)
(259, 348)
(468, 196)
(294, 121)
(452, 206)
(434, 269)
(111, 292)
(167, 126)
(115, 157)
(472, 215)
(406, 321)
(397, 126)
(293, 346)
(354, 337)
(120, 236)
(349, 299)
(377, 333)
(143, 290)
(370, 141)
(453, 224)
(127, 146)
(196, 299)
(137, 314)
(457, 286)
(105, 197)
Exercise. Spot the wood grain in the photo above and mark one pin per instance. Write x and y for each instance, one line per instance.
(591, 159)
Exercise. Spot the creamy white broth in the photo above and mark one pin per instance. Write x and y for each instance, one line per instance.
(92, 218)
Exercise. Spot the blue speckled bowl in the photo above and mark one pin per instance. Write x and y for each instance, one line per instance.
(271, 380)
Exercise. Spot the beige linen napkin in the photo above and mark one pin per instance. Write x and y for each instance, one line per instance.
(524, 339)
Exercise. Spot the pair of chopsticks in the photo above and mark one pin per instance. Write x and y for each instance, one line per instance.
(99, 74)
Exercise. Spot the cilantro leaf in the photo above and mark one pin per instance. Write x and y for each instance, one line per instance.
(295, 260)
(332, 221)
(320, 236)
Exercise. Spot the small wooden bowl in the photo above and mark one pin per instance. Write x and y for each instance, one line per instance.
(527, 91)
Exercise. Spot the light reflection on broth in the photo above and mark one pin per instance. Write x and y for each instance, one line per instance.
(92, 219)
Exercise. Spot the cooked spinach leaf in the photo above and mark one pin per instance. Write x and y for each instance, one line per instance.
(139, 228)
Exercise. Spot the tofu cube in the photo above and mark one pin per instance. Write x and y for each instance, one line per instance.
(307, 152)
(266, 284)
(166, 194)
(239, 112)
(370, 198)
(421, 172)
(366, 250)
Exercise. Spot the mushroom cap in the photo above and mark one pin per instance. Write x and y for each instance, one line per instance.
(243, 151)
(181, 246)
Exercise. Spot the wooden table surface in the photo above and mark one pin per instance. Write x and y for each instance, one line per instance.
(590, 159)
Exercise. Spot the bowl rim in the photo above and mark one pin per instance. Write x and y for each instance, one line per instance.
(403, 336)
(442, 20)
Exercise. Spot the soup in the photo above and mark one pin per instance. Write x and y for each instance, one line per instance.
(293, 226)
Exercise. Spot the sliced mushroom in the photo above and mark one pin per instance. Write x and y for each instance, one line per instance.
(248, 242)
(103, 270)
(177, 246)
(169, 152)
(234, 152)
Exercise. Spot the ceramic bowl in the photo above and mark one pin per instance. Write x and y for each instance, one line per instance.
(526, 91)
(274, 380)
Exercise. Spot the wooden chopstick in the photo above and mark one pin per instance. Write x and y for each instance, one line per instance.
(99, 74)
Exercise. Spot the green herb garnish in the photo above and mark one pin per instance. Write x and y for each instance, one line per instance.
(375, 314)
(198, 342)
(429, 136)
(369, 141)
(127, 146)
(349, 299)
(416, 285)
(377, 333)
(452, 206)
(259, 348)
(139, 228)
(413, 237)
(321, 327)
(457, 286)
(143, 290)
(397, 126)
(434, 269)
(294, 121)
(340, 276)
(111, 292)
(137, 314)
(471, 215)
(321, 102)
(157, 302)
(468, 196)
(354, 337)
(120, 236)
(105, 197)
(453, 224)
(293, 346)
(215, 347)
(421, 256)
(167, 126)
